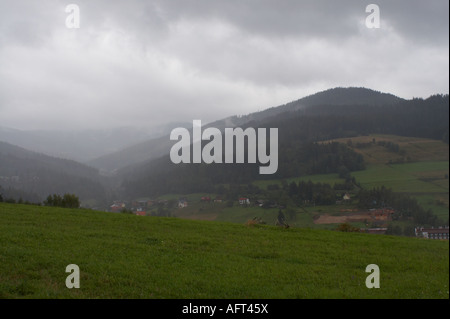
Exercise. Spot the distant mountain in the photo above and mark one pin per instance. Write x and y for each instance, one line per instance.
(81, 146)
(42, 175)
(136, 153)
(298, 151)
(155, 148)
(145, 168)
(333, 97)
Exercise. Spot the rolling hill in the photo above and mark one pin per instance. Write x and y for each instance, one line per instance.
(127, 256)
(299, 150)
(155, 148)
(39, 175)
(82, 145)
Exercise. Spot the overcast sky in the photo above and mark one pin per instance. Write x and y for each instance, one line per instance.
(143, 63)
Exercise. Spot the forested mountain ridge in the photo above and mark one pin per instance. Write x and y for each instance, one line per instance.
(39, 175)
(301, 126)
(299, 152)
(339, 96)
(155, 148)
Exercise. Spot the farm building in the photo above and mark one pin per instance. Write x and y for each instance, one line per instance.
(432, 233)
(140, 212)
(117, 207)
(244, 201)
(182, 203)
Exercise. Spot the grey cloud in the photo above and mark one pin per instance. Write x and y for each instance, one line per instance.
(146, 62)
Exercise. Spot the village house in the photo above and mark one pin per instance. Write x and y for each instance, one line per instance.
(140, 212)
(244, 201)
(346, 199)
(117, 207)
(139, 205)
(182, 203)
(432, 233)
(142, 203)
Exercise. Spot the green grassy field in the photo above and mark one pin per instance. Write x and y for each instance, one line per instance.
(127, 256)
(417, 149)
(425, 177)
(421, 177)
(426, 181)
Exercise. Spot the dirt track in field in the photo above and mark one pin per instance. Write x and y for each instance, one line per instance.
(349, 218)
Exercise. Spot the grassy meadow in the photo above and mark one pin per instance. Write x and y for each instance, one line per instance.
(209, 251)
(128, 256)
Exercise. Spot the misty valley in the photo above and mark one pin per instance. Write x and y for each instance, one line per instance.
(201, 154)
(212, 151)
(320, 154)
(359, 182)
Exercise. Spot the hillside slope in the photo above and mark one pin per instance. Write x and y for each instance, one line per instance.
(298, 151)
(159, 147)
(127, 256)
(81, 145)
(42, 175)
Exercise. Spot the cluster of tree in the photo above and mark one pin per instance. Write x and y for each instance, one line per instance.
(164, 209)
(66, 201)
(18, 201)
(406, 207)
(13, 196)
(287, 194)
(162, 212)
(295, 159)
(308, 192)
(390, 146)
(397, 230)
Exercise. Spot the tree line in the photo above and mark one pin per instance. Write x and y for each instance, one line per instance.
(406, 207)
(161, 176)
(54, 200)
(66, 201)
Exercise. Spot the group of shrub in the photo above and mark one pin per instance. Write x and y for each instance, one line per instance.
(55, 200)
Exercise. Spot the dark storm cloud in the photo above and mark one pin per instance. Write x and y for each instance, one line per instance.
(146, 62)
